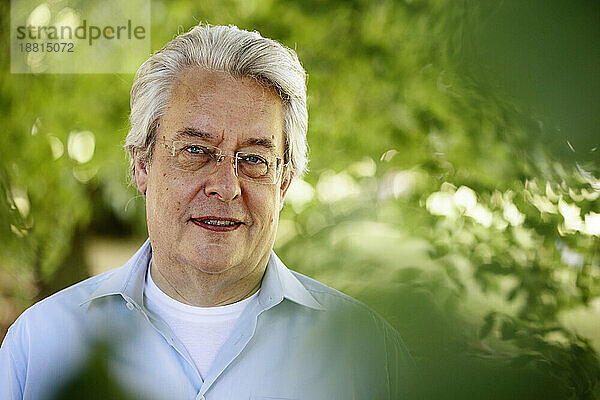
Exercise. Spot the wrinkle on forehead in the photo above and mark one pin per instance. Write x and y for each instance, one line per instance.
(230, 98)
(191, 79)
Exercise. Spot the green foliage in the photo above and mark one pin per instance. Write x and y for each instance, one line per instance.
(437, 194)
(94, 380)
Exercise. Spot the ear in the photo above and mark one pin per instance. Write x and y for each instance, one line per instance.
(140, 173)
(286, 181)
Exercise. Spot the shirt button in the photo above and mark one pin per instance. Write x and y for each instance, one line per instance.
(130, 306)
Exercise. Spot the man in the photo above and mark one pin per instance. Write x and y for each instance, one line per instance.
(205, 309)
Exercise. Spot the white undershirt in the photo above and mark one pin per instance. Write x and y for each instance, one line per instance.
(202, 330)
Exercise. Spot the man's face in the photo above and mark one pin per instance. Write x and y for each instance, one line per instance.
(233, 114)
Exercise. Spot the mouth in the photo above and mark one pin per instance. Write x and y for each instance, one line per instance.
(217, 224)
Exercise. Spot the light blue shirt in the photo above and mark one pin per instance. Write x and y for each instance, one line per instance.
(300, 340)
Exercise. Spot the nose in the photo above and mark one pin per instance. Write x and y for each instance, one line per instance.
(222, 182)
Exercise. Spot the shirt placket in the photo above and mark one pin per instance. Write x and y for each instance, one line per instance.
(235, 344)
(163, 329)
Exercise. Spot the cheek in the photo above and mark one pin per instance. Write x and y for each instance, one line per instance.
(263, 207)
(166, 196)
(274, 215)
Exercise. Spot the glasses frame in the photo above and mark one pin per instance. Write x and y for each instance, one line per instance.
(217, 155)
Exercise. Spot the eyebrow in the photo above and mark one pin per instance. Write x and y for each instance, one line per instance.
(193, 132)
(264, 142)
(197, 133)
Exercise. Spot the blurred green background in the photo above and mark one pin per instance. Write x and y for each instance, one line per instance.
(453, 186)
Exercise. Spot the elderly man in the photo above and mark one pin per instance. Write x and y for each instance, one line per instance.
(205, 309)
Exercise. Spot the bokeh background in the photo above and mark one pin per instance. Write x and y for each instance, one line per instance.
(453, 186)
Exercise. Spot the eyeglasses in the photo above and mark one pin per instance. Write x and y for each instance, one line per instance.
(252, 167)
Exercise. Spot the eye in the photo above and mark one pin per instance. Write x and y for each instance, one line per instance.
(253, 159)
(195, 149)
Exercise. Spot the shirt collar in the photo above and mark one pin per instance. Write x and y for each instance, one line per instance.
(127, 281)
(278, 282)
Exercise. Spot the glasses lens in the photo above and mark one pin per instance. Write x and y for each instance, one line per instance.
(249, 166)
(255, 167)
(193, 157)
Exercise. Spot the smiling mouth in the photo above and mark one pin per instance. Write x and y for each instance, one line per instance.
(217, 224)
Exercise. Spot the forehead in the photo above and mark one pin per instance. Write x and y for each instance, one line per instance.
(223, 108)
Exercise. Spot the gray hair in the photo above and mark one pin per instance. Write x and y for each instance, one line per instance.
(225, 49)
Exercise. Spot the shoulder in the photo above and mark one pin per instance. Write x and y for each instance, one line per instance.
(51, 321)
(326, 294)
(330, 297)
(360, 327)
(343, 307)
(64, 302)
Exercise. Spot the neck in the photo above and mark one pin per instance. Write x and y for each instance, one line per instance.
(192, 286)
